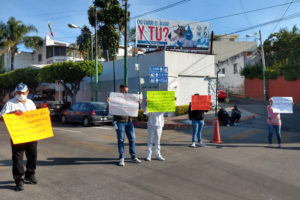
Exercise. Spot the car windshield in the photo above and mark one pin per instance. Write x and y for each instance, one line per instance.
(100, 106)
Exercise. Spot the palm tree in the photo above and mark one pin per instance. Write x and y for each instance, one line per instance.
(13, 34)
(84, 42)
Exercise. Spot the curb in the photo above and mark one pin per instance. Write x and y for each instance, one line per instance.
(178, 126)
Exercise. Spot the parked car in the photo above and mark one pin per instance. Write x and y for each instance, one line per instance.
(87, 113)
(221, 95)
(55, 107)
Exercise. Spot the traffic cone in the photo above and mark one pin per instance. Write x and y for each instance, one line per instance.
(217, 138)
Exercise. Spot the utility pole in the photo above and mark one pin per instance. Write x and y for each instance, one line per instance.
(125, 45)
(264, 67)
(96, 57)
(217, 85)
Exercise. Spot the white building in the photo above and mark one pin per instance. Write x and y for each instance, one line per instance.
(52, 51)
(187, 74)
(233, 82)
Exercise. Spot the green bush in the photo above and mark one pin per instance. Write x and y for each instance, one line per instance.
(141, 116)
(182, 110)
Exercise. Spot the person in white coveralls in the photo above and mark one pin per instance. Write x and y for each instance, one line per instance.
(155, 126)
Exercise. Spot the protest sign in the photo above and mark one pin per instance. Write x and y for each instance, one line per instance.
(282, 104)
(160, 101)
(201, 102)
(30, 126)
(123, 104)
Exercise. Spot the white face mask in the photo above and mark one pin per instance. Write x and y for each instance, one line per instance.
(21, 97)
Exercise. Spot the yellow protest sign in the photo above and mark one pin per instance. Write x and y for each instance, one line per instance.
(160, 101)
(30, 126)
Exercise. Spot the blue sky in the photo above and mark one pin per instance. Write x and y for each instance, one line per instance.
(62, 12)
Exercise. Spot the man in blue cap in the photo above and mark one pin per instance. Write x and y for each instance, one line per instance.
(18, 105)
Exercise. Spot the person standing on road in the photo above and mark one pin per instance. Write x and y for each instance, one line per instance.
(123, 124)
(18, 105)
(155, 125)
(197, 117)
(274, 123)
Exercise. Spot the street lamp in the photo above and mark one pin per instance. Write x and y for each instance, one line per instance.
(75, 26)
(96, 59)
(263, 64)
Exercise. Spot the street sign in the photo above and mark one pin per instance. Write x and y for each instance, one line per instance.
(158, 74)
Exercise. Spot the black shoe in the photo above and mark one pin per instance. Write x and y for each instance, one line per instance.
(19, 186)
(30, 179)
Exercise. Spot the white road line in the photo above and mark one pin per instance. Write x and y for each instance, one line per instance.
(107, 128)
(61, 129)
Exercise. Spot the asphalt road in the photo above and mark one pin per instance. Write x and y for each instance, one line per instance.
(81, 163)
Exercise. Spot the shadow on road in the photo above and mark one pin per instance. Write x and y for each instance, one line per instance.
(7, 185)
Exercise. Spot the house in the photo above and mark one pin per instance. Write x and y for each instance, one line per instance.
(232, 81)
(51, 51)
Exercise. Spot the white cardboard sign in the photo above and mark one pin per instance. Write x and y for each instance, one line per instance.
(123, 104)
(282, 104)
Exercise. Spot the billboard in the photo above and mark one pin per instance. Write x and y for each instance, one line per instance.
(172, 34)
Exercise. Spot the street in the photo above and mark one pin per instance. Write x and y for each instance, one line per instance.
(81, 163)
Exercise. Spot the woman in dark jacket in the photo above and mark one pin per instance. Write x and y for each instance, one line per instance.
(197, 117)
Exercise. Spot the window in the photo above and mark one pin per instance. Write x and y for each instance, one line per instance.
(83, 107)
(56, 50)
(40, 57)
(223, 71)
(75, 106)
(235, 70)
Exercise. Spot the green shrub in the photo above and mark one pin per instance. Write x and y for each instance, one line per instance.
(141, 116)
(182, 110)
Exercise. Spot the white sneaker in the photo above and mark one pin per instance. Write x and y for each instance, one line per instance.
(200, 144)
(136, 160)
(121, 162)
(160, 158)
(148, 158)
(193, 145)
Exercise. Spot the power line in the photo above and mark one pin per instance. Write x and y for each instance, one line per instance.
(283, 15)
(249, 11)
(245, 13)
(295, 15)
(160, 9)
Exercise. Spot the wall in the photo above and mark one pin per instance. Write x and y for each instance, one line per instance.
(22, 60)
(187, 75)
(279, 87)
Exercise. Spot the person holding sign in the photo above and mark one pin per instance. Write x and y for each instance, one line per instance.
(18, 105)
(274, 123)
(123, 124)
(196, 114)
(155, 126)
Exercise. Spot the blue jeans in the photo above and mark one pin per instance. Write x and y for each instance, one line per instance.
(197, 129)
(126, 127)
(277, 129)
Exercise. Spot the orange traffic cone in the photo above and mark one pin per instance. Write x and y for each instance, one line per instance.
(217, 138)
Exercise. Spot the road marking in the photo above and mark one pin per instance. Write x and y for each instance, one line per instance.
(106, 128)
(61, 129)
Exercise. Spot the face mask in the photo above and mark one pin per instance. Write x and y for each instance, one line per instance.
(21, 97)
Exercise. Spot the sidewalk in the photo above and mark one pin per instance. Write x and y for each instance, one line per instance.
(183, 122)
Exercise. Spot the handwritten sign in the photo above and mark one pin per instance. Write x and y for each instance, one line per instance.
(161, 101)
(201, 102)
(123, 104)
(30, 126)
(282, 104)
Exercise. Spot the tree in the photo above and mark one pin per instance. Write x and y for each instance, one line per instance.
(282, 56)
(9, 80)
(84, 42)
(110, 16)
(13, 34)
(69, 74)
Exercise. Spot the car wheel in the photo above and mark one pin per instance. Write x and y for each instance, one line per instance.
(86, 121)
(63, 119)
